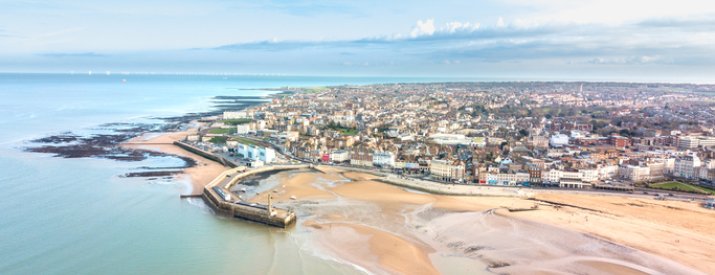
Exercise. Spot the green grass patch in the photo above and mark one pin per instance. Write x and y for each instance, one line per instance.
(218, 140)
(247, 141)
(222, 131)
(237, 121)
(683, 187)
(313, 90)
(343, 130)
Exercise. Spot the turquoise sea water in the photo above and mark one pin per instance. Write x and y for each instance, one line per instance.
(78, 216)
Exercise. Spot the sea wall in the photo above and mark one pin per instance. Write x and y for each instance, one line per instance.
(444, 188)
(207, 155)
(271, 168)
(457, 189)
(249, 211)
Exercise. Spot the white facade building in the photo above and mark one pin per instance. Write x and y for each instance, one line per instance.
(687, 167)
(339, 156)
(447, 169)
(558, 140)
(243, 129)
(234, 114)
(589, 175)
(267, 155)
(383, 159)
(635, 173)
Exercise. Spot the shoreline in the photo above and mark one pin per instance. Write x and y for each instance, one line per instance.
(307, 191)
(199, 175)
(575, 239)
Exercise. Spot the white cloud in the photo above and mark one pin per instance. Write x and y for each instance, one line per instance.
(500, 23)
(611, 12)
(427, 27)
(455, 26)
(423, 28)
(644, 59)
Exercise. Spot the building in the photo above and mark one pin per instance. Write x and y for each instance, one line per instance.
(588, 175)
(571, 179)
(534, 174)
(447, 170)
(339, 156)
(234, 114)
(253, 152)
(607, 172)
(383, 159)
(558, 140)
(635, 173)
(243, 129)
(551, 176)
(539, 141)
(619, 141)
(361, 157)
(508, 179)
(687, 167)
(692, 142)
(657, 169)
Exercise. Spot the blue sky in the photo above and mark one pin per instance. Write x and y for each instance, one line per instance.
(637, 40)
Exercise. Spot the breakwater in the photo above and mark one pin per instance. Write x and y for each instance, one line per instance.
(217, 195)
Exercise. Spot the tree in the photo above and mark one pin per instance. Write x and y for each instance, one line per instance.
(625, 132)
(523, 133)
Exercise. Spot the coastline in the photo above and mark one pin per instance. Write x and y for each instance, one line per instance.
(347, 232)
(199, 175)
(340, 209)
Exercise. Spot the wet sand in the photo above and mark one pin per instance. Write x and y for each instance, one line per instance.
(201, 174)
(387, 229)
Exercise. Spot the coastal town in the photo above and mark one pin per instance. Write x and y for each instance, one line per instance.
(505, 177)
(591, 136)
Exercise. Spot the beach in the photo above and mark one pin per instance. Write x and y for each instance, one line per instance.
(352, 218)
(199, 175)
(364, 222)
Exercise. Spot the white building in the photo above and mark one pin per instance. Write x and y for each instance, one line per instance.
(234, 114)
(267, 155)
(552, 175)
(243, 129)
(589, 175)
(690, 142)
(571, 179)
(447, 169)
(509, 179)
(383, 159)
(558, 140)
(687, 167)
(607, 172)
(260, 125)
(635, 173)
(339, 156)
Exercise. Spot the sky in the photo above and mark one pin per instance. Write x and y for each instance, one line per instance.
(621, 40)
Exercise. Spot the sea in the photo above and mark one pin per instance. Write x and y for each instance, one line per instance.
(80, 216)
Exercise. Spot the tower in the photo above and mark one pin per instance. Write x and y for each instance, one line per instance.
(270, 205)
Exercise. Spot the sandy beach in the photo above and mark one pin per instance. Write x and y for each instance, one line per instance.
(390, 230)
(199, 175)
(386, 229)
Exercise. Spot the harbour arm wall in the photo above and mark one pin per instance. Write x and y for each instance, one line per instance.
(217, 195)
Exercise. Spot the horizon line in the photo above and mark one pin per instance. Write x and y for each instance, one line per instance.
(460, 78)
